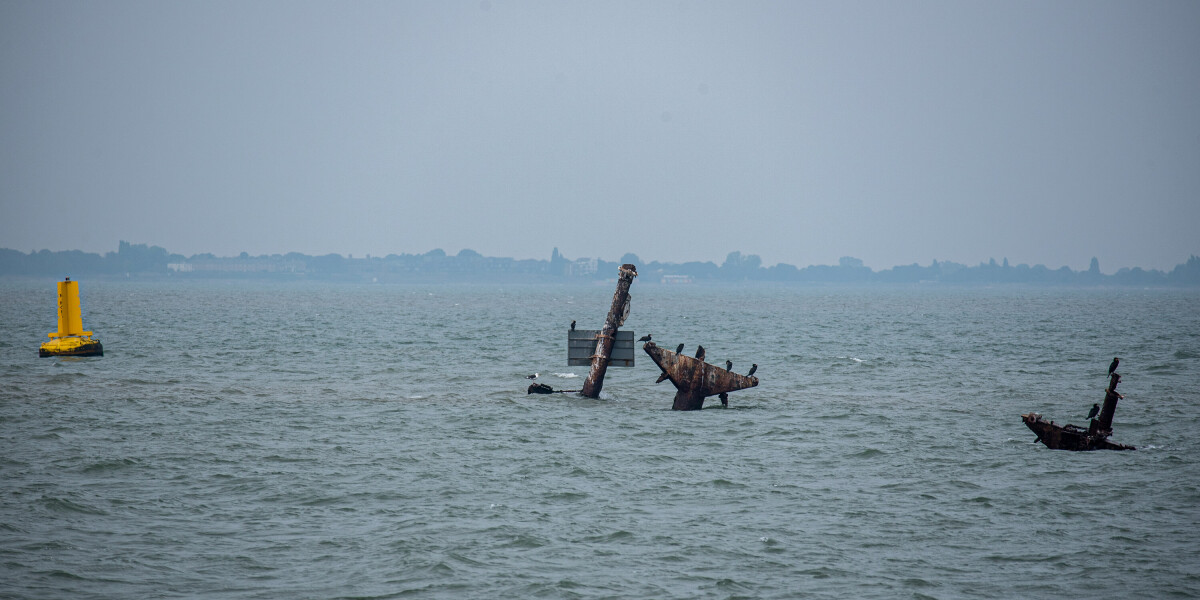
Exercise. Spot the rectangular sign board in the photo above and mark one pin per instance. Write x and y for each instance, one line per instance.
(581, 345)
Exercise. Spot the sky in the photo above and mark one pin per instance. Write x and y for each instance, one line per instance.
(800, 131)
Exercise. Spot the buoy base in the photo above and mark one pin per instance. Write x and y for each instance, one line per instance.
(71, 346)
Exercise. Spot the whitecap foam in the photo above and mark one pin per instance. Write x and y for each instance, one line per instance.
(565, 375)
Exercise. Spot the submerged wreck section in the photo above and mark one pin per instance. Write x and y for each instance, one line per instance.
(1070, 437)
(1073, 437)
(695, 379)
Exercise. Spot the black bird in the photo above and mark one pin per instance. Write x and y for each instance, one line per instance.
(534, 376)
(1113, 365)
(753, 368)
(644, 338)
(679, 349)
(1095, 410)
(728, 365)
(572, 325)
(700, 352)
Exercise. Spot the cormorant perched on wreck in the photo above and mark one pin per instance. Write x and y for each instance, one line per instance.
(728, 365)
(753, 368)
(572, 325)
(1113, 365)
(1095, 411)
(679, 349)
(700, 352)
(644, 338)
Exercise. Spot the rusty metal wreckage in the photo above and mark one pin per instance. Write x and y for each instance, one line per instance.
(1072, 437)
(694, 379)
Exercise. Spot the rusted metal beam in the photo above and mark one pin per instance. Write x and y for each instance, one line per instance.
(1104, 422)
(616, 318)
(694, 379)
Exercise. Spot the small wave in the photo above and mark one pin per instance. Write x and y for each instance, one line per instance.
(323, 501)
(823, 573)
(109, 465)
(441, 568)
(917, 582)
(857, 360)
(65, 377)
(566, 496)
(868, 453)
(725, 483)
(278, 458)
(524, 541)
(616, 536)
(726, 584)
(63, 505)
(565, 375)
(135, 381)
(967, 485)
(1018, 558)
(61, 574)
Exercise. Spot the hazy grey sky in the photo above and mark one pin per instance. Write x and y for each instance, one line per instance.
(897, 132)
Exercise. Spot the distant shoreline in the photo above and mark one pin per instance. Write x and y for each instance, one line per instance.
(139, 261)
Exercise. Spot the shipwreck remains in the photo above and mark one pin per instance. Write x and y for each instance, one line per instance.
(607, 336)
(1072, 437)
(695, 379)
(541, 388)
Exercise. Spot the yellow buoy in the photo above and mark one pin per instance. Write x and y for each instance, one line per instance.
(70, 339)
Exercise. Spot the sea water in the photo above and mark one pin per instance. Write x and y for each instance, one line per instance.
(244, 439)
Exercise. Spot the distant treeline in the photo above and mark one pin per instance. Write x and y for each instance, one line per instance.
(140, 260)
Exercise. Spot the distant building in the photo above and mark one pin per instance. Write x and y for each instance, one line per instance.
(583, 267)
(241, 265)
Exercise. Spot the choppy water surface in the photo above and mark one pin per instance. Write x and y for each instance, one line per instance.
(269, 440)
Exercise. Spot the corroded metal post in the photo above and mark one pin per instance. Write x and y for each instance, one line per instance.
(1104, 423)
(616, 318)
(695, 379)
